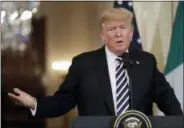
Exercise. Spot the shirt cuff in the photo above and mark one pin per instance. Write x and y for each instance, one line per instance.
(33, 111)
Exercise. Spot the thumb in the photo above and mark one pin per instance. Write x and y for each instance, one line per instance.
(18, 91)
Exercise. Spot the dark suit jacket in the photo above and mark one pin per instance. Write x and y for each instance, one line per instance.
(87, 85)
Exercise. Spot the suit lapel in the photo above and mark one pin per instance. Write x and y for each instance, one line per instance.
(133, 72)
(104, 79)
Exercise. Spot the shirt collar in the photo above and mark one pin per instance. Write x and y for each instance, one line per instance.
(111, 57)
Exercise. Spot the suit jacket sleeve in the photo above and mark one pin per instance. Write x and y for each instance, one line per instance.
(165, 97)
(64, 98)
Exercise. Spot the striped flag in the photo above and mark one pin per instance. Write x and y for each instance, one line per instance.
(136, 41)
(174, 67)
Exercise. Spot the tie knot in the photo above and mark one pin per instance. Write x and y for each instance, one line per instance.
(119, 59)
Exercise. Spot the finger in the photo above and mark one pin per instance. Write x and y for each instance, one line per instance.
(13, 98)
(17, 91)
(11, 95)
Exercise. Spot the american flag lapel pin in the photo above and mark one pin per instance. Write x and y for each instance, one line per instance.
(137, 62)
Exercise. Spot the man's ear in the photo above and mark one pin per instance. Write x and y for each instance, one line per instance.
(132, 31)
(131, 36)
(102, 33)
(102, 36)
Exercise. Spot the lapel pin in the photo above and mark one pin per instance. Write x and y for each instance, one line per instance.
(137, 62)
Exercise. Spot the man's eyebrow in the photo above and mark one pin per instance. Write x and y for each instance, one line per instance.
(112, 26)
(123, 24)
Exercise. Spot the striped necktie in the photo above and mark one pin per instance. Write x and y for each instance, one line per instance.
(122, 88)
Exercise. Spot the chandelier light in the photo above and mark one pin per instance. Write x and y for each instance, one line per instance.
(16, 23)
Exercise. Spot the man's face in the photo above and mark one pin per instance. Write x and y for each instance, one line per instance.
(117, 35)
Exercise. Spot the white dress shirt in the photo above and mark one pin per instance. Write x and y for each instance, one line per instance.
(33, 111)
(111, 62)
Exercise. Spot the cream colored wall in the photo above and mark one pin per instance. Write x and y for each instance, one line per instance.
(155, 24)
(72, 28)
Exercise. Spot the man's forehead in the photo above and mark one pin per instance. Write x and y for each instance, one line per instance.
(116, 23)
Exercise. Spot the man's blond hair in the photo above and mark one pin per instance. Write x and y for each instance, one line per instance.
(116, 14)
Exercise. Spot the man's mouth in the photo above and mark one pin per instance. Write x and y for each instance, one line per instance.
(119, 42)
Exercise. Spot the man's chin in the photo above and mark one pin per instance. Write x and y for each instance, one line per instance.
(121, 50)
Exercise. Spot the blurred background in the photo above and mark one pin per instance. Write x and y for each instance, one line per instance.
(39, 40)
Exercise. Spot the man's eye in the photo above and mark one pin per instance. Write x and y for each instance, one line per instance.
(111, 29)
(123, 27)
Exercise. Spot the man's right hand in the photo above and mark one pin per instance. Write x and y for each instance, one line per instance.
(23, 98)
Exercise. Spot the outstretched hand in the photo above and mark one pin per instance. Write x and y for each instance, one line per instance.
(22, 98)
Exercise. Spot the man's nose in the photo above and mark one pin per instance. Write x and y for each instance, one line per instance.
(118, 32)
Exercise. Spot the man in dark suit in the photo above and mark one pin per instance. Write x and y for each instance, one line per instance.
(109, 80)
